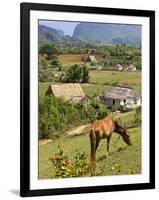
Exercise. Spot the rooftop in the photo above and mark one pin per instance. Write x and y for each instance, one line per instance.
(67, 91)
(121, 93)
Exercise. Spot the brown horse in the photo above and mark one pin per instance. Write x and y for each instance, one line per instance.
(103, 129)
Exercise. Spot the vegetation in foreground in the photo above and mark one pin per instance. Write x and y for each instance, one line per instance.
(123, 159)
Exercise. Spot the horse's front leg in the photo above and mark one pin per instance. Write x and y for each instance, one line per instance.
(93, 147)
(108, 142)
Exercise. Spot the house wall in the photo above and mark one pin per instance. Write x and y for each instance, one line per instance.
(109, 102)
(130, 102)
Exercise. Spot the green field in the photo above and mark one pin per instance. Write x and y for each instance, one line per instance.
(98, 79)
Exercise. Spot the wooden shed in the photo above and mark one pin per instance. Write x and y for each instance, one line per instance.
(68, 91)
(89, 58)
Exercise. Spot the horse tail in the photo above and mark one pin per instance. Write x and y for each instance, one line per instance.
(93, 144)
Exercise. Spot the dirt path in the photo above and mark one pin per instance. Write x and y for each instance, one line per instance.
(43, 142)
(74, 132)
(78, 130)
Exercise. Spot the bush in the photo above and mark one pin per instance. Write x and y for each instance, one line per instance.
(77, 74)
(56, 116)
(85, 74)
(49, 50)
(74, 74)
(43, 63)
(65, 168)
(54, 62)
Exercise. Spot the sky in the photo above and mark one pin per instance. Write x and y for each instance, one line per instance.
(66, 27)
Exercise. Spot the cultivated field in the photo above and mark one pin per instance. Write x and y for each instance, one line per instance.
(68, 59)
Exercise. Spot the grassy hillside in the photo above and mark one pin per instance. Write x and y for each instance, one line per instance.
(123, 159)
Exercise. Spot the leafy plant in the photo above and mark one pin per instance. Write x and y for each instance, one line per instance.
(65, 168)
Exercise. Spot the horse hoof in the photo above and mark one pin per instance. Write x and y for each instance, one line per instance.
(95, 165)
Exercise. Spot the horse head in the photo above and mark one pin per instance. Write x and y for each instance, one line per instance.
(124, 133)
(126, 137)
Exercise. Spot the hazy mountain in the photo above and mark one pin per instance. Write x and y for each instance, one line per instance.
(108, 33)
(94, 33)
(50, 34)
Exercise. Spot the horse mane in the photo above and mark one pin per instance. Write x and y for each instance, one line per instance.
(116, 125)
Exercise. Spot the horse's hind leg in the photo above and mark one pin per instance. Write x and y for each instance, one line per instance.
(97, 142)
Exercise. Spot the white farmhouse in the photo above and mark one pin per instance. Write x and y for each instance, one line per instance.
(131, 68)
(118, 67)
(122, 97)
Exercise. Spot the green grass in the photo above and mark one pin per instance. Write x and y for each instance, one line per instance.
(98, 80)
(132, 79)
(123, 159)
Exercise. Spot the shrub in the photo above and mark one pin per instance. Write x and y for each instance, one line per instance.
(85, 74)
(77, 74)
(65, 168)
(57, 116)
(74, 74)
(54, 62)
(43, 63)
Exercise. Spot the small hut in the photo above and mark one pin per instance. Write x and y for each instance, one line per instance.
(122, 97)
(118, 67)
(131, 68)
(68, 91)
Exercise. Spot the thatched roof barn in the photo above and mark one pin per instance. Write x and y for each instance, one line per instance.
(89, 58)
(120, 96)
(68, 91)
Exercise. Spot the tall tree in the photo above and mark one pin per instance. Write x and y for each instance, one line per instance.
(49, 50)
(85, 74)
(74, 74)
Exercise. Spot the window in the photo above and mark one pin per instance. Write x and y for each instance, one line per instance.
(113, 101)
(124, 100)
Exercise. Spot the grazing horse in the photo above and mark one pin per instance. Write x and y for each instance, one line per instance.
(103, 129)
